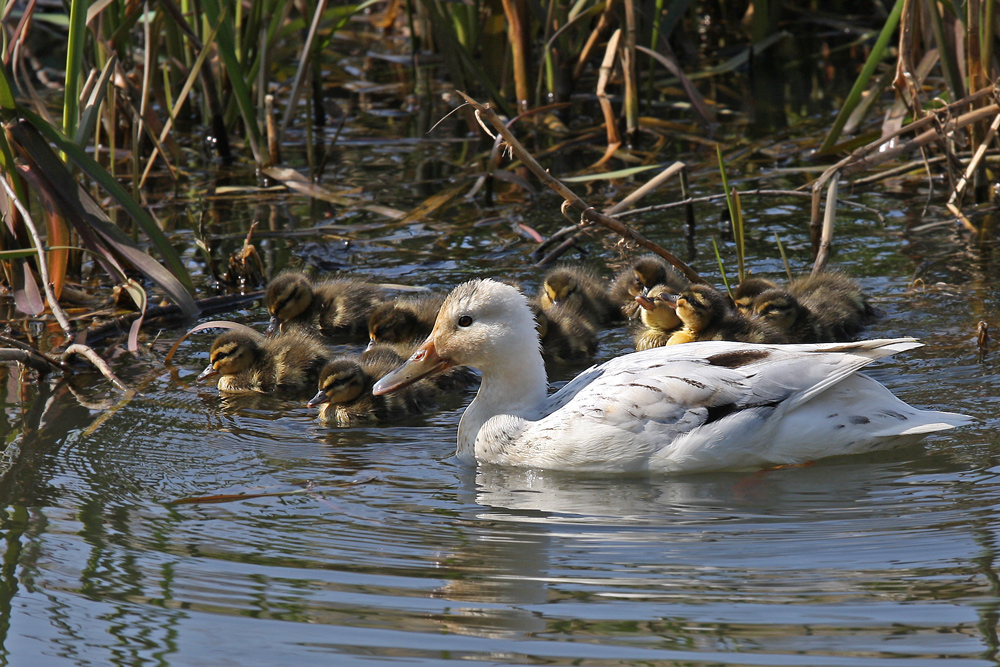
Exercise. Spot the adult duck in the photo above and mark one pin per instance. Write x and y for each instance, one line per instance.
(695, 407)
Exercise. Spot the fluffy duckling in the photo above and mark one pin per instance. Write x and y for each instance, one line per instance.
(748, 290)
(404, 323)
(345, 391)
(658, 314)
(579, 288)
(837, 303)
(250, 362)
(640, 277)
(334, 307)
(566, 337)
(705, 315)
(783, 311)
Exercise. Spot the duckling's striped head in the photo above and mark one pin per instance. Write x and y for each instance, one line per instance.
(340, 381)
(560, 286)
(288, 296)
(233, 352)
(701, 306)
(778, 307)
(647, 272)
(748, 290)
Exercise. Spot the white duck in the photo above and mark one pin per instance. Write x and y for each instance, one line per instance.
(683, 408)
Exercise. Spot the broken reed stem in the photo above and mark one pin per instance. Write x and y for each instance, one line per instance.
(88, 353)
(830, 215)
(587, 212)
(271, 123)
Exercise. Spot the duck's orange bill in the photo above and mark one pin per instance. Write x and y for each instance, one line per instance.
(425, 361)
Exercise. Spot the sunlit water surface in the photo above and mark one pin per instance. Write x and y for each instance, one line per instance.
(374, 546)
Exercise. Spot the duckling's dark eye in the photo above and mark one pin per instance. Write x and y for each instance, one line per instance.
(464, 321)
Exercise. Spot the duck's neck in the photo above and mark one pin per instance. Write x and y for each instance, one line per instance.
(516, 386)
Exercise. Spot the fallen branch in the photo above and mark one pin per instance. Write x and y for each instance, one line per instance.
(587, 213)
(88, 353)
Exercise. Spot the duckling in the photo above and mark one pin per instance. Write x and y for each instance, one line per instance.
(643, 274)
(579, 289)
(705, 314)
(837, 303)
(658, 315)
(334, 307)
(345, 391)
(566, 337)
(748, 290)
(250, 362)
(782, 310)
(404, 323)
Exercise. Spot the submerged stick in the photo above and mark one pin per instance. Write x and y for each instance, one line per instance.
(586, 211)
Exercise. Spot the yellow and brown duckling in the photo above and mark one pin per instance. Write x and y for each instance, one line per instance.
(336, 307)
(404, 323)
(247, 362)
(345, 391)
(641, 276)
(837, 303)
(658, 315)
(747, 292)
(705, 315)
(565, 336)
(580, 289)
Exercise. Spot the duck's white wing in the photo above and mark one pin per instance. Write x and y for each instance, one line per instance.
(718, 405)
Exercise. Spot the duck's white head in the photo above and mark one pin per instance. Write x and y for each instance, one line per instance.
(484, 324)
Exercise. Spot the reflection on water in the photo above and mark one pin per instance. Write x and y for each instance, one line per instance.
(376, 545)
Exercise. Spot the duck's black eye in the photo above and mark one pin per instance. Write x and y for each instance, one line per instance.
(464, 321)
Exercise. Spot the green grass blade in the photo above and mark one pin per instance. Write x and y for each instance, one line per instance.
(854, 97)
(74, 64)
(722, 268)
(226, 42)
(58, 184)
(95, 171)
(784, 257)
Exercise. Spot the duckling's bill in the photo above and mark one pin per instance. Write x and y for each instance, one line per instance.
(666, 297)
(320, 398)
(424, 361)
(210, 371)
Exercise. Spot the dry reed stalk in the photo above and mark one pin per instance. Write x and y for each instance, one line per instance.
(516, 12)
(610, 123)
(970, 171)
(882, 150)
(587, 212)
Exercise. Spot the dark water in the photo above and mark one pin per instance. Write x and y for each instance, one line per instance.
(376, 547)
